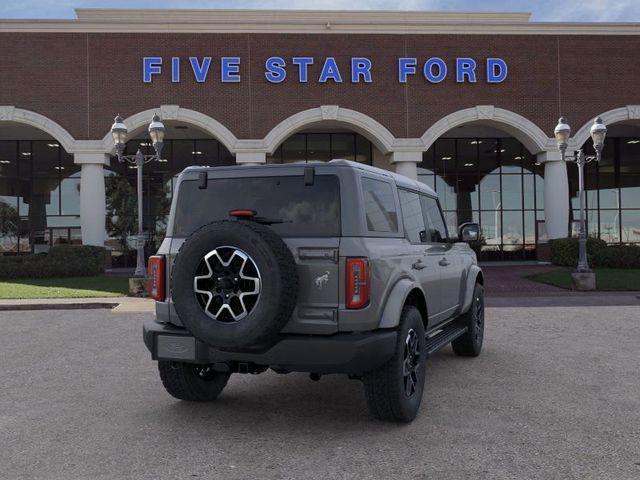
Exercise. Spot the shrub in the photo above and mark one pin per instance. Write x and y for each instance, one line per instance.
(564, 251)
(618, 256)
(61, 261)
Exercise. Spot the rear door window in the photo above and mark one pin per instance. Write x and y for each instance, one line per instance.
(379, 206)
(298, 210)
(436, 228)
(412, 217)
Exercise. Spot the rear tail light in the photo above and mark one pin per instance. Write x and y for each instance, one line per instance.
(156, 278)
(357, 283)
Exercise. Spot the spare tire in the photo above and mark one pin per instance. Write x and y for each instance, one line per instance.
(234, 284)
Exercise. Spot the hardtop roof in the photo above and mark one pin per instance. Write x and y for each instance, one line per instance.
(399, 180)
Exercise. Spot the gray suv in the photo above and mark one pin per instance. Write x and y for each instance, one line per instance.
(323, 268)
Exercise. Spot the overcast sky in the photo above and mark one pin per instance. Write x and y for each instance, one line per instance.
(543, 10)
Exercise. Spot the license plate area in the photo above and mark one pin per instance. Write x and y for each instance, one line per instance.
(174, 347)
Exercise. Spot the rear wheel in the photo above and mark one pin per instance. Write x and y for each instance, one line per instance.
(394, 391)
(470, 344)
(194, 383)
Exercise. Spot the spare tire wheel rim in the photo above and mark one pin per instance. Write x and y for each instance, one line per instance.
(227, 284)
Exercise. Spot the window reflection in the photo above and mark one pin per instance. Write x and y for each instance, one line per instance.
(612, 188)
(483, 180)
(307, 147)
(36, 195)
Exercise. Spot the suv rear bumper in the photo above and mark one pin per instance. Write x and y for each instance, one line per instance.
(350, 353)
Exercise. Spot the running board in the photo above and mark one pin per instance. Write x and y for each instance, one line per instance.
(444, 338)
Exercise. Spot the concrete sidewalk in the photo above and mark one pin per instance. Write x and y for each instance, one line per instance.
(116, 304)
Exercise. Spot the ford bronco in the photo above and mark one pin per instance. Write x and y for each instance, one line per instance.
(323, 268)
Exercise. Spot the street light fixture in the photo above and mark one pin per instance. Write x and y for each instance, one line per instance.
(562, 133)
(119, 133)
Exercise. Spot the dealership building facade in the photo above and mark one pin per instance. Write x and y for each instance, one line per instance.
(464, 102)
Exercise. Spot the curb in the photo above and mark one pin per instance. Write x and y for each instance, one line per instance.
(57, 306)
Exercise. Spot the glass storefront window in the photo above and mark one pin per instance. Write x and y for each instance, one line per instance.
(512, 192)
(8, 159)
(512, 228)
(490, 198)
(493, 181)
(306, 147)
(319, 148)
(610, 226)
(511, 154)
(630, 223)
(294, 149)
(342, 145)
(488, 158)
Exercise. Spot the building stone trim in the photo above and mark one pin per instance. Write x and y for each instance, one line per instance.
(377, 133)
(309, 21)
(629, 112)
(531, 136)
(180, 114)
(10, 113)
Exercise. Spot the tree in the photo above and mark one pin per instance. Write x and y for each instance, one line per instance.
(9, 221)
(122, 211)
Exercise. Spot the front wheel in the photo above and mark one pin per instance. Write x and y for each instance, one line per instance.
(394, 391)
(470, 344)
(194, 383)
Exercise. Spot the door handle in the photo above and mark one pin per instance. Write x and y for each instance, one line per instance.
(444, 262)
(418, 265)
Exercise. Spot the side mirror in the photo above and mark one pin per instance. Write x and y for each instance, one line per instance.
(469, 232)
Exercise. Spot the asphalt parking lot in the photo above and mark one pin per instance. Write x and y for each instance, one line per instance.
(555, 394)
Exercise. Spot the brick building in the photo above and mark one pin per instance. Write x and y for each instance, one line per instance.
(465, 102)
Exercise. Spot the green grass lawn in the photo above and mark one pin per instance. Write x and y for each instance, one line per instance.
(72, 287)
(607, 279)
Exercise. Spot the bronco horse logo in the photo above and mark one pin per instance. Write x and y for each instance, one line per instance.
(322, 280)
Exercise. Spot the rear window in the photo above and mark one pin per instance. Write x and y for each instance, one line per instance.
(305, 210)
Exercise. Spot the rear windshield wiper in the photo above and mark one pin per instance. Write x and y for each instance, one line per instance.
(252, 215)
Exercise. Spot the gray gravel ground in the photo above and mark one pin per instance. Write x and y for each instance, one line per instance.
(555, 394)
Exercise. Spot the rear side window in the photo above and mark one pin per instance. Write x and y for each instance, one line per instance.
(379, 206)
(299, 210)
(436, 229)
(412, 217)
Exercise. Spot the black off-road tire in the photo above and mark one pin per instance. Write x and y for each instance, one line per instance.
(278, 285)
(386, 388)
(470, 344)
(190, 382)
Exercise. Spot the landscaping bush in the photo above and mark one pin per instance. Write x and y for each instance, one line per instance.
(564, 251)
(618, 256)
(61, 261)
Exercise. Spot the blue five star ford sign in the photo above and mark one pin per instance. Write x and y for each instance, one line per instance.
(306, 69)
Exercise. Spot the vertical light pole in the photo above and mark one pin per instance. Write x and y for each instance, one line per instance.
(562, 133)
(156, 132)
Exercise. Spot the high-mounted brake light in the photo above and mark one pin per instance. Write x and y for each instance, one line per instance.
(156, 278)
(242, 213)
(357, 283)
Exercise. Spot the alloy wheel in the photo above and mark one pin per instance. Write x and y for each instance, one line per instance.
(227, 284)
(411, 362)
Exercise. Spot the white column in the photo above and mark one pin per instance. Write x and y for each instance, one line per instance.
(556, 194)
(251, 158)
(92, 197)
(406, 163)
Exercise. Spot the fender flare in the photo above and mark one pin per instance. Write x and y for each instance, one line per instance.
(395, 302)
(472, 276)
